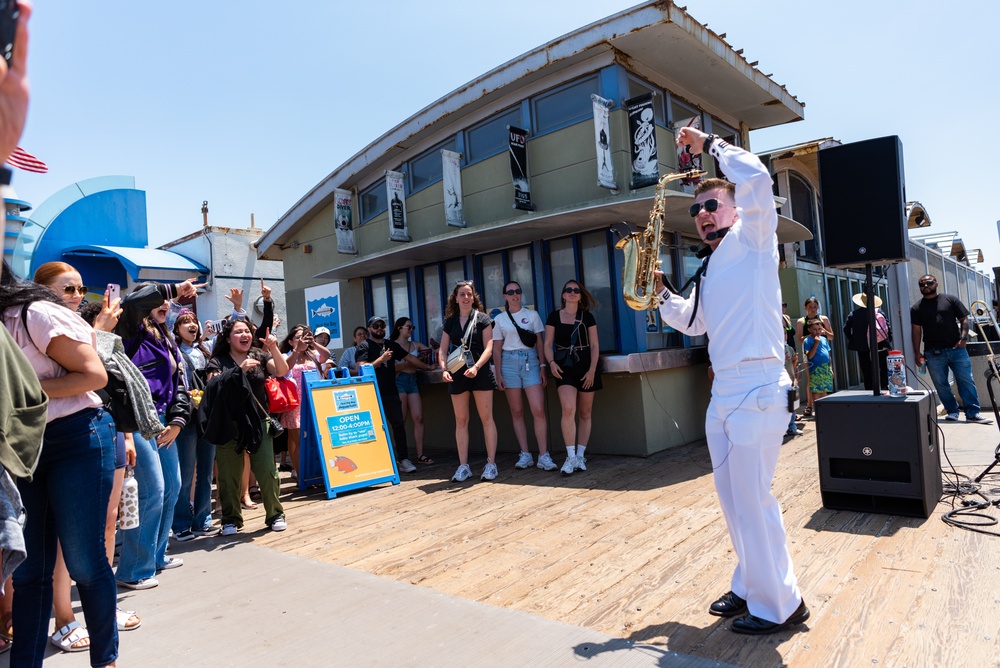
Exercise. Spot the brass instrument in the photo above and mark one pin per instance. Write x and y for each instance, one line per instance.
(642, 250)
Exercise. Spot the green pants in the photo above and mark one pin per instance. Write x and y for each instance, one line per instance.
(231, 475)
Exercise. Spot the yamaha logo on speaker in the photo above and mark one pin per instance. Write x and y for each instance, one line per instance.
(867, 452)
(863, 250)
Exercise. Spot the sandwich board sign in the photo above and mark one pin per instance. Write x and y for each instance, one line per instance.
(345, 439)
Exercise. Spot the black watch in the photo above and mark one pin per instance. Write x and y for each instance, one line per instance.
(707, 146)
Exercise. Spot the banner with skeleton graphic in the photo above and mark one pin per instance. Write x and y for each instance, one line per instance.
(686, 160)
(344, 222)
(518, 145)
(451, 164)
(397, 206)
(602, 134)
(642, 130)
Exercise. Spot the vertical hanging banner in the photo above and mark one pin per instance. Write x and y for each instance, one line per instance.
(518, 144)
(451, 165)
(602, 134)
(687, 161)
(642, 130)
(323, 310)
(397, 206)
(344, 222)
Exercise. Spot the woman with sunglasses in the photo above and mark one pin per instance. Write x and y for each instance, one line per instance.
(801, 331)
(406, 381)
(347, 358)
(572, 348)
(464, 305)
(518, 368)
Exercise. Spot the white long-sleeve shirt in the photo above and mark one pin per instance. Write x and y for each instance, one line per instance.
(740, 306)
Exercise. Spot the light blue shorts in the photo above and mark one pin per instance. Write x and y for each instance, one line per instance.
(406, 383)
(520, 368)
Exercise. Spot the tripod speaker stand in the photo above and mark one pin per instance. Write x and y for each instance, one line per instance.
(978, 309)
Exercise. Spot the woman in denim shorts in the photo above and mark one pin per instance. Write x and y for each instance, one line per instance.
(406, 382)
(518, 369)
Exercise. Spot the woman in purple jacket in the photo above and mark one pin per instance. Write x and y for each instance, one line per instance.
(157, 470)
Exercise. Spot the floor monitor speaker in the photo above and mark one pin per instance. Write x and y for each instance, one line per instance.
(878, 454)
(864, 203)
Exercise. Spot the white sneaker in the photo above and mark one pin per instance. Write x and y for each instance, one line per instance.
(569, 466)
(490, 472)
(229, 530)
(172, 562)
(580, 463)
(462, 474)
(406, 466)
(545, 462)
(524, 461)
(279, 524)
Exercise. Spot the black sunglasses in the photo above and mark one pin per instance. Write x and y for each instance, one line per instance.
(575, 291)
(378, 325)
(80, 290)
(515, 291)
(926, 283)
(711, 205)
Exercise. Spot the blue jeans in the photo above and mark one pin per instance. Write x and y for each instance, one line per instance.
(195, 454)
(939, 360)
(68, 499)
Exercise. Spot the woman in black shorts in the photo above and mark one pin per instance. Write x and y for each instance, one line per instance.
(463, 304)
(572, 348)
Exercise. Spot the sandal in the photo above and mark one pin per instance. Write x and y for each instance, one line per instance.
(808, 412)
(125, 618)
(424, 459)
(248, 504)
(68, 636)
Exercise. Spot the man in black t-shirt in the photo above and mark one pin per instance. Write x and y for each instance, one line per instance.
(943, 322)
(381, 354)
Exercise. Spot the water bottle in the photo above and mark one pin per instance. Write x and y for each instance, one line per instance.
(897, 373)
(128, 506)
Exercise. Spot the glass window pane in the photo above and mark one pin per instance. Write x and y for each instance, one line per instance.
(596, 275)
(454, 272)
(400, 298)
(562, 267)
(519, 265)
(493, 280)
(380, 298)
(564, 106)
(681, 114)
(490, 137)
(374, 200)
(428, 168)
(433, 305)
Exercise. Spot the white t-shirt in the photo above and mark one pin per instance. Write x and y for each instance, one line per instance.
(46, 321)
(503, 328)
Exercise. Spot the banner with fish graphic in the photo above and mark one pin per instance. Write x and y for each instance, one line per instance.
(602, 138)
(344, 221)
(642, 130)
(451, 164)
(345, 438)
(397, 205)
(323, 310)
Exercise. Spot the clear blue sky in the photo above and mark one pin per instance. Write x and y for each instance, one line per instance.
(249, 104)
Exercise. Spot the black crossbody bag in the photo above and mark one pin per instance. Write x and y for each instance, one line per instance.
(527, 338)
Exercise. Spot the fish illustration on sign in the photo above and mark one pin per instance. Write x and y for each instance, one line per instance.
(344, 464)
(323, 311)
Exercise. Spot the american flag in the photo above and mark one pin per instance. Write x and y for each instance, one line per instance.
(24, 160)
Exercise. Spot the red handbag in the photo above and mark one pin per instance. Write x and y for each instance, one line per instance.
(282, 395)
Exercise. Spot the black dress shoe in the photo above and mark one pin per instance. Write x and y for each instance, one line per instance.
(755, 626)
(728, 605)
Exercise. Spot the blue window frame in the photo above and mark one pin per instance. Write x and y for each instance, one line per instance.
(564, 106)
(427, 168)
(489, 137)
(374, 200)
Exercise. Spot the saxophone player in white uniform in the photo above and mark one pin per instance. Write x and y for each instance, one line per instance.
(737, 302)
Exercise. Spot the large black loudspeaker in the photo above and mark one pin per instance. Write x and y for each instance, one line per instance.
(864, 203)
(878, 454)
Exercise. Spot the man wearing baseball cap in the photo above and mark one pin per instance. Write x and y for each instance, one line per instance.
(380, 353)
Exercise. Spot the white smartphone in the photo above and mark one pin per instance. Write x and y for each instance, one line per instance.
(114, 292)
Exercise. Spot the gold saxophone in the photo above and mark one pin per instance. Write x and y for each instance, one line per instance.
(642, 250)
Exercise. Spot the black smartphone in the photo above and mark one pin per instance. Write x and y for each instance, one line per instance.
(9, 12)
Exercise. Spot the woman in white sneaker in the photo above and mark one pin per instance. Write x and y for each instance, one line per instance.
(572, 347)
(464, 304)
(516, 358)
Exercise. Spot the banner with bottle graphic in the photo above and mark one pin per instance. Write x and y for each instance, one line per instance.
(642, 131)
(451, 166)
(397, 206)
(602, 138)
(518, 145)
(344, 221)
(687, 161)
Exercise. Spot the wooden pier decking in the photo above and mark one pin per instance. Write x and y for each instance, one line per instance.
(637, 548)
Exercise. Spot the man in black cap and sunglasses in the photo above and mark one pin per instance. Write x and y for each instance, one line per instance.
(381, 354)
(737, 302)
(943, 323)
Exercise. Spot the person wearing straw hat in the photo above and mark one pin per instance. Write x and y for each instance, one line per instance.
(856, 330)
